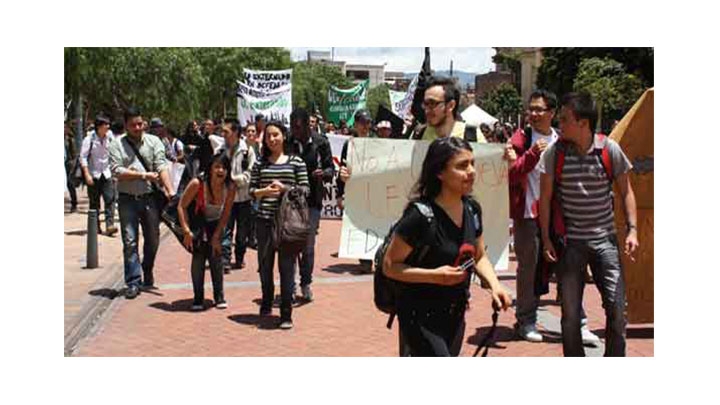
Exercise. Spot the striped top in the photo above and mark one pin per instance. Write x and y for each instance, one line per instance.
(585, 193)
(291, 173)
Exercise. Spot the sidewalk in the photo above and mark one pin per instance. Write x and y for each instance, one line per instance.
(342, 321)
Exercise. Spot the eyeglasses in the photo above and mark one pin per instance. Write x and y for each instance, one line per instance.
(430, 104)
(537, 110)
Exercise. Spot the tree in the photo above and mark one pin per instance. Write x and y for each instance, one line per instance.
(560, 65)
(609, 84)
(378, 95)
(311, 82)
(503, 102)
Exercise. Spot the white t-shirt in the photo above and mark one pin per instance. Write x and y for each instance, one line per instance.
(532, 193)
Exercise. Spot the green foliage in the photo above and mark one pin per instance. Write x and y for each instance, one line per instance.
(311, 82)
(560, 65)
(176, 84)
(504, 102)
(606, 80)
(378, 95)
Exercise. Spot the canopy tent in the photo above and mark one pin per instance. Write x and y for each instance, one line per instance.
(474, 116)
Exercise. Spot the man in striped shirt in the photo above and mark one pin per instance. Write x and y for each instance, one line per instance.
(586, 200)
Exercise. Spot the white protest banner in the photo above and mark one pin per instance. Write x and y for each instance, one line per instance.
(404, 106)
(175, 172)
(267, 80)
(396, 101)
(383, 174)
(274, 106)
(245, 90)
(330, 209)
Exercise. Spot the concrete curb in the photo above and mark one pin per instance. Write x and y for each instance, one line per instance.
(93, 311)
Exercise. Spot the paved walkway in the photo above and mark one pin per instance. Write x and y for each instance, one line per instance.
(342, 321)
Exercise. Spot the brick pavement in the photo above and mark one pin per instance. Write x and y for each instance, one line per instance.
(342, 321)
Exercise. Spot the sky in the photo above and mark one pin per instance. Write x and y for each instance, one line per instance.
(470, 60)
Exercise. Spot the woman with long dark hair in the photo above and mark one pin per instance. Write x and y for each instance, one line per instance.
(214, 196)
(272, 176)
(433, 295)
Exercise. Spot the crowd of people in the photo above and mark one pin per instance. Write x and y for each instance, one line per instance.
(560, 188)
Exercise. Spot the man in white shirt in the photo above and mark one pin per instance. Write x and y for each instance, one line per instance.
(95, 163)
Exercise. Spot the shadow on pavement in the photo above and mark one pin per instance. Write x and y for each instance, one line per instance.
(641, 333)
(353, 269)
(180, 305)
(81, 232)
(261, 322)
(108, 293)
(506, 277)
(297, 303)
(502, 334)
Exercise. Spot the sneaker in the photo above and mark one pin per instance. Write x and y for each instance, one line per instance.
(221, 305)
(286, 324)
(589, 338)
(226, 269)
(306, 293)
(132, 292)
(529, 333)
(265, 310)
(197, 307)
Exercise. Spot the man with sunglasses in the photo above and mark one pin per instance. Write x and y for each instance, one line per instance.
(524, 185)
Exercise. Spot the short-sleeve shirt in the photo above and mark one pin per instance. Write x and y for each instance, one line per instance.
(585, 191)
(413, 228)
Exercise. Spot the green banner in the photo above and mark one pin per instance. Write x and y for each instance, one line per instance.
(344, 103)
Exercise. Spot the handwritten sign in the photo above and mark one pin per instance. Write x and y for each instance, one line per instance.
(384, 172)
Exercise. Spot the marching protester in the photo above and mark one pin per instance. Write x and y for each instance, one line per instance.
(384, 129)
(441, 102)
(137, 161)
(95, 163)
(242, 160)
(314, 150)
(433, 296)
(577, 175)
(251, 138)
(70, 162)
(215, 197)
(273, 175)
(260, 123)
(361, 129)
(524, 191)
(174, 148)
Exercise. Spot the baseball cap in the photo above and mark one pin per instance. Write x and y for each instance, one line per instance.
(384, 124)
(156, 123)
(362, 116)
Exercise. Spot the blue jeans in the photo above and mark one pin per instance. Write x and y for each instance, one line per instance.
(133, 212)
(240, 219)
(604, 259)
(306, 259)
(266, 262)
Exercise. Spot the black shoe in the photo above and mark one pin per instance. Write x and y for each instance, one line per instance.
(265, 310)
(132, 292)
(73, 208)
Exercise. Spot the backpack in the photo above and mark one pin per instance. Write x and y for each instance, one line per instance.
(385, 288)
(558, 232)
(292, 221)
(469, 135)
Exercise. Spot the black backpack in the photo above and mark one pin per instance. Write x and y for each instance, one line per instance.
(385, 288)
